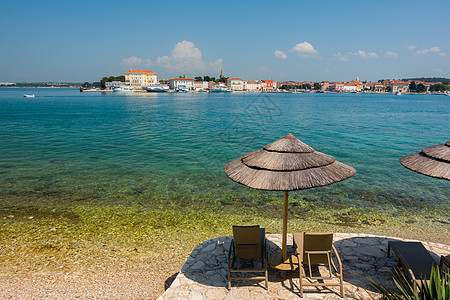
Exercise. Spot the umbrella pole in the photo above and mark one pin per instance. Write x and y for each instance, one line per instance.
(285, 216)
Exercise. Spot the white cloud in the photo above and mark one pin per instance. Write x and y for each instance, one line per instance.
(391, 54)
(280, 54)
(435, 49)
(439, 71)
(365, 55)
(305, 49)
(411, 47)
(186, 58)
(134, 61)
(341, 56)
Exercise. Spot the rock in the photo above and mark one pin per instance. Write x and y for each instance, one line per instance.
(216, 293)
(370, 251)
(199, 265)
(210, 248)
(196, 296)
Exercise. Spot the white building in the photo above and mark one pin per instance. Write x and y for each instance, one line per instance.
(399, 86)
(175, 83)
(198, 85)
(349, 87)
(235, 84)
(137, 79)
(252, 86)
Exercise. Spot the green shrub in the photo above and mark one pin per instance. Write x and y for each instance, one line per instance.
(438, 288)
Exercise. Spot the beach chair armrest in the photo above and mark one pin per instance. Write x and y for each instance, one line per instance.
(337, 257)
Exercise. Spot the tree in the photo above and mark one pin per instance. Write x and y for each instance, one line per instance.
(206, 78)
(412, 86)
(421, 88)
(223, 79)
(198, 78)
(316, 86)
(438, 87)
(111, 79)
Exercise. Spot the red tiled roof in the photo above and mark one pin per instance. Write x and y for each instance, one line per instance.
(267, 80)
(140, 71)
(253, 82)
(181, 79)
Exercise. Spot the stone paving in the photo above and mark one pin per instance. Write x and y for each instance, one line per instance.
(204, 275)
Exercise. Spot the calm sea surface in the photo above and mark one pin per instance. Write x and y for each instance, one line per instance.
(167, 150)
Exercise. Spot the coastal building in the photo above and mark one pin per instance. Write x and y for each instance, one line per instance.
(137, 79)
(268, 85)
(175, 83)
(376, 87)
(398, 86)
(198, 85)
(349, 87)
(337, 87)
(252, 86)
(324, 86)
(235, 84)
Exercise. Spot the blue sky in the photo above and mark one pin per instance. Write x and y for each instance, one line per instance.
(282, 40)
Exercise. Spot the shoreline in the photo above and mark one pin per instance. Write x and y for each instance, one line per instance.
(234, 92)
(116, 243)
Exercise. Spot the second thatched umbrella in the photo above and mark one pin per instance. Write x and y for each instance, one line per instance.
(286, 165)
(433, 161)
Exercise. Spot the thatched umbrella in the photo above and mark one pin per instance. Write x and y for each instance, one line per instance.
(287, 164)
(433, 161)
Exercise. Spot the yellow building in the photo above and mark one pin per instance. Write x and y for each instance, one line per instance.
(140, 78)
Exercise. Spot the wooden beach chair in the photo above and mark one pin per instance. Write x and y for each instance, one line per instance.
(315, 250)
(248, 244)
(414, 259)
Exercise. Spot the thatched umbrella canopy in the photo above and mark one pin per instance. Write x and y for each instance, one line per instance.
(433, 161)
(287, 164)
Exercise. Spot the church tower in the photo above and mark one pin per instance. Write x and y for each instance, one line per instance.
(221, 73)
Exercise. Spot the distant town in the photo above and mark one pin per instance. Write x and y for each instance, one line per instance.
(147, 81)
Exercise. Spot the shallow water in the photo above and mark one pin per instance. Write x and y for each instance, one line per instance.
(66, 148)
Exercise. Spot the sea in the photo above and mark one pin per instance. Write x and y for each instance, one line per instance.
(167, 150)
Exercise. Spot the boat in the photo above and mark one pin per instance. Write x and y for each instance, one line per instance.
(181, 90)
(202, 91)
(157, 88)
(220, 89)
(399, 93)
(123, 89)
(28, 96)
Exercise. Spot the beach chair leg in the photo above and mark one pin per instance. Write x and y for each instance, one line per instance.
(267, 281)
(300, 280)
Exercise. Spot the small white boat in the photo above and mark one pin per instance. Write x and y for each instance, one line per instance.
(181, 90)
(28, 96)
(157, 88)
(399, 93)
(123, 89)
(220, 89)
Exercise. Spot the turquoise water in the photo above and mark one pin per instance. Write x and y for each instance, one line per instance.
(167, 150)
